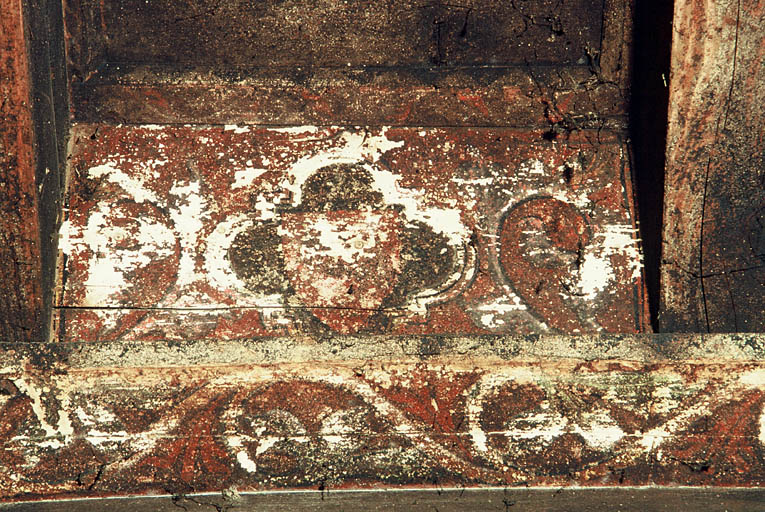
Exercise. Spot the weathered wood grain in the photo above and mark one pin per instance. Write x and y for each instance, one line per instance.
(613, 62)
(245, 35)
(561, 99)
(481, 62)
(21, 293)
(177, 418)
(443, 499)
(227, 232)
(50, 115)
(713, 270)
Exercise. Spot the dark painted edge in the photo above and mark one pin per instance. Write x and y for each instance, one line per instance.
(50, 113)
(119, 92)
(443, 499)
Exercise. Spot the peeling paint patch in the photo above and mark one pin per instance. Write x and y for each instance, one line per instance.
(266, 426)
(265, 231)
(246, 177)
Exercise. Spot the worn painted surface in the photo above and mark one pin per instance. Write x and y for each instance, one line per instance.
(21, 291)
(175, 418)
(713, 271)
(229, 232)
(560, 99)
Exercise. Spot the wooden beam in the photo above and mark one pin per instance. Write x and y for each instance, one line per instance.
(713, 267)
(452, 230)
(624, 499)
(21, 292)
(344, 412)
(33, 127)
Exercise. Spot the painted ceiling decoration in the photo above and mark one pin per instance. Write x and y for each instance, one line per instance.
(196, 232)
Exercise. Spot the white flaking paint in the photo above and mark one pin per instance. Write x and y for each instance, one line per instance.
(265, 443)
(246, 462)
(264, 208)
(597, 271)
(189, 208)
(67, 235)
(246, 177)
(663, 397)
(542, 426)
(497, 312)
(295, 129)
(350, 148)
(475, 182)
(593, 275)
(579, 199)
(109, 263)
(63, 429)
(476, 396)
(360, 148)
(652, 439)
(397, 418)
(754, 379)
(479, 438)
(187, 217)
(447, 221)
(532, 166)
(236, 128)
(100, 415)
(599, 430)
(502, 305)
(349, 240)
(622, 239)
(335, 430)
(96, 437)
(330, 288)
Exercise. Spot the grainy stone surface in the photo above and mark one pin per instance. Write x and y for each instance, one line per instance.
(229, 232)
(73, 423)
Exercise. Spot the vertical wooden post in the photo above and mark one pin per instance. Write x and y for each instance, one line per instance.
(21, 301)
(713, 266)
(33, 121)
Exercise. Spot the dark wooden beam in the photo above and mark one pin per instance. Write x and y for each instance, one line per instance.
(33, 124)
(713, 267)
(21, 288)
(445, 500)
(240, 35)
